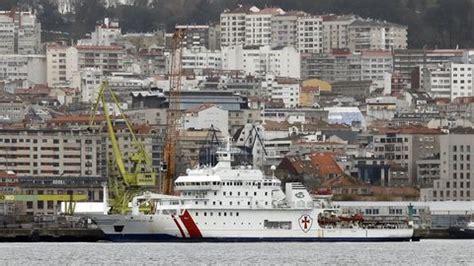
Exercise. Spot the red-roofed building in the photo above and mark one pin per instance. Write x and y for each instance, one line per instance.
(314, 169)
(326, 164)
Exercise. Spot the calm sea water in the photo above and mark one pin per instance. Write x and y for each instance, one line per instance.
(428, 252)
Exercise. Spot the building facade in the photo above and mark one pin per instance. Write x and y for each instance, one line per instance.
(282, 61)
(20, 33)
(456, 171)
(376, 35)
(49, 152)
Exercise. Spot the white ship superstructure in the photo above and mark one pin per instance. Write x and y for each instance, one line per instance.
(222, 203)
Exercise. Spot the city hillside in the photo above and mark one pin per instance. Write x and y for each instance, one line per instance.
(431, 23)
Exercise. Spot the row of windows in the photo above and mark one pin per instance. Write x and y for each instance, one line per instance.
(218, 213)
(454, 194)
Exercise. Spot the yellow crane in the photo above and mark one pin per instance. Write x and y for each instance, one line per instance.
(129, 182)
(173, 115)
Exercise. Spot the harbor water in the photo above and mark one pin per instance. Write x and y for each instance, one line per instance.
(425, 252)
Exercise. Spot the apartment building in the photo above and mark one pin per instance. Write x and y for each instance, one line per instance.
(151, 62)
(49, 152)
(340, 65)
(286, 90)
(258, 26)
(7, 33)
(200, 59)
(106, 34)
(335, 35)
(456, 168)
(436, 80)
(197, 36)
(284, 29)
(310, 34)
(12, 108)
(105, 58)
(233, 23)
(61, 63)
(20, 33)
(402, 148)
(376, 35)
(88, 81)
(31, 69)
(375, 65)
(462, 79)
(406, 62)
(279, 61)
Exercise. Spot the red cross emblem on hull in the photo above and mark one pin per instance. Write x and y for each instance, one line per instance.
(305, 222)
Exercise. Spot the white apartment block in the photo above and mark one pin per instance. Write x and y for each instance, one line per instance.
(376, 35)
(87, 81)
(258, 26)
(335, 34)
(20, 33)
(281, 61)
(29, 68)
(310, 34)
(105, 34)
(233, 25)
(61, 62)
(456, 168)
(200, 59)
(462, 80)
(285, 89)
(375, 65)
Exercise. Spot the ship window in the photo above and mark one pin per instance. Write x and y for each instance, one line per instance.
(238, 193)
(236, 214)
(197, 214)
(225, 213)
(230, 193)
(248, 202)
(246, 193)
(213, 203)
(266, 203)
(223, 193)
(266, 193)
(255, 193)
(230, 213)
(215, 193)
(205, 213)
(196, 202)
(238, 202)
(211, 213)
(219, 214)
(230, 203)
(220, 202)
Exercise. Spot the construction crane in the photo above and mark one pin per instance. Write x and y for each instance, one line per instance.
(141, 176)
(173, 116)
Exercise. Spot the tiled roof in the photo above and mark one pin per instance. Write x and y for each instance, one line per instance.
(405, 130)
(343, 181)
(376, 53)
(85, 119)
(326, 163)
